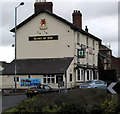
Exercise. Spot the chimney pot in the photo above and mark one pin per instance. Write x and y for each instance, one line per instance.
(86, 28)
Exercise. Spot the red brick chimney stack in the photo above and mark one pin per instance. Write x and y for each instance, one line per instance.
(77, 18)
(43, 5)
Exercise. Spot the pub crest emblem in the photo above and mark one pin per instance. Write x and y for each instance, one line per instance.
(43, 24)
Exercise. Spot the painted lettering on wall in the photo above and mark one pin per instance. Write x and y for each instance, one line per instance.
(40, 38)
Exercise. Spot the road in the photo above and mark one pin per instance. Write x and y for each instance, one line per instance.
(11, 101)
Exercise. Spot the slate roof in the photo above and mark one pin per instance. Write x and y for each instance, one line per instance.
(72, 26)
(38, 66)
(104, 48)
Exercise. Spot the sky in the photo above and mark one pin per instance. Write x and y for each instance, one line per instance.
(101, 17)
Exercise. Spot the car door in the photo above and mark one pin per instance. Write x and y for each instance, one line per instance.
(98, 84)
(103, 84)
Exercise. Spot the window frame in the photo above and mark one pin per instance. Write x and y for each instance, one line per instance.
(80, 76)
(71, 77)
(48, 79)
(17, 79)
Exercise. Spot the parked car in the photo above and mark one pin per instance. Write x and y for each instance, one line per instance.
(39, 90)
(94, 84)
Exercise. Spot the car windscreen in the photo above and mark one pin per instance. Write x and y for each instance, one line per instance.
(89, 82)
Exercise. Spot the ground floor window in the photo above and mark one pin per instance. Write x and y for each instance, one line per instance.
(89, 75)
(17, 79)
(48, 79)
(70, 77)
(96, 74)
(80, 74)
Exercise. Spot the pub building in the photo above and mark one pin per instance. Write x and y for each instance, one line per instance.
(50, 49)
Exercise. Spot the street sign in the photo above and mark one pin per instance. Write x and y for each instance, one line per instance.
(114, 88)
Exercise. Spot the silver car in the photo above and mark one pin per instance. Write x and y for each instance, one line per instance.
(94, 84)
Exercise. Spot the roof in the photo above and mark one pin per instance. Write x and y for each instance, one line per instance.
(72, 26)
(38, 66)
(104, 48)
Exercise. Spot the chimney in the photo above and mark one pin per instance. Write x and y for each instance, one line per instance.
(43, 5)
(77, 18)
(86, 28)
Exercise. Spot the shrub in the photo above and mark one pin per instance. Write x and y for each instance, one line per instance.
(96, 109)
(109, 106)
(52, 107)
(74, 101)
(72, 108)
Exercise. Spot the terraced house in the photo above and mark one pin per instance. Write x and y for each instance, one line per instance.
(52, 49)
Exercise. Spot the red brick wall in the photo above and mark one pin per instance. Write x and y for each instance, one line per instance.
(116, 64)
(43, 5)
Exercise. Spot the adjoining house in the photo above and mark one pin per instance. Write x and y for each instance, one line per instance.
(106, 55)
(116, 65)
(51, 49)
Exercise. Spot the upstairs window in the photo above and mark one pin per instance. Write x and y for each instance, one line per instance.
(93, 44)
(93, 58)
(87, 41)
(78, 38)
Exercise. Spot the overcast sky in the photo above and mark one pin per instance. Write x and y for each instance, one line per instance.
(100, 16)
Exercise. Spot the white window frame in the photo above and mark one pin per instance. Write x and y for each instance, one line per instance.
(16, 79)
(87, 42)
(90, 75)
(49, 77)
(81, 76)
(78, 38)
(96, 73)
(87, 57)
(93, 44)
(93, 58)
(71, 77)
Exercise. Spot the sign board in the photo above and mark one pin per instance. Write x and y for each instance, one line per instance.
(43, 24)
(26, 82)
(114, 88)
(81, 53)
(41, 38)
(90, 51)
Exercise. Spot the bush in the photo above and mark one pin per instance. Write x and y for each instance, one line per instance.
(109, 106)
(74, 101)
(72, 108)
(52, 107)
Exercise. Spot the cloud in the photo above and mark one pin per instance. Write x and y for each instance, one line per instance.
(6, 54)
(8, 10)
(106, 28)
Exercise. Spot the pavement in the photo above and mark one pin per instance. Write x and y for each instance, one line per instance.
(13, 94)
(9, 93)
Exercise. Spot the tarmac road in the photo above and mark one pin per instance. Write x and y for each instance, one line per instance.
(11, 101)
